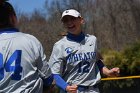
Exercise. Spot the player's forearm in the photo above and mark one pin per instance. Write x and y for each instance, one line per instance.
(111, 72)
(103, 68)
(106, 71)
(60, 82)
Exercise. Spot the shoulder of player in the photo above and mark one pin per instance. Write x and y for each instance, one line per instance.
(90, 36)
(60, 42)
(29, 37)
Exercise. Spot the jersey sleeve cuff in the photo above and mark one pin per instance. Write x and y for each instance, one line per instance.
(100, 64)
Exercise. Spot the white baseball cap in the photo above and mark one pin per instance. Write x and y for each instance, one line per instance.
(71, 12)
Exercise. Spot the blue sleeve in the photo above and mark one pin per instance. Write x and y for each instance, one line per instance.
(48, 81)
(60, 82)
(100, 65)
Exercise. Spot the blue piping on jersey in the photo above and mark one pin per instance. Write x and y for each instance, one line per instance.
(60, 82)
(78, 38)
(8, 30)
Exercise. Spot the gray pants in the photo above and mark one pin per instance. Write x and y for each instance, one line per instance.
(85, 90)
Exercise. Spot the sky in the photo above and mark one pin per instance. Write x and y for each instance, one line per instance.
(27, 6)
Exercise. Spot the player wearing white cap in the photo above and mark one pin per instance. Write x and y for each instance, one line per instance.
(23, 65)
(74, 60)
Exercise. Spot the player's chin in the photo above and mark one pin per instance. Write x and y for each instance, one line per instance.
(71, 30)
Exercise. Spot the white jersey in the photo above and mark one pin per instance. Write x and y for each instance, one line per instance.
(76, 62)
(22, 64)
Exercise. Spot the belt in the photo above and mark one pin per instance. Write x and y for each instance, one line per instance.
(82, 88)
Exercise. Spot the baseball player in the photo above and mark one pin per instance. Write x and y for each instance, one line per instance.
(23, 66)
(75, 63)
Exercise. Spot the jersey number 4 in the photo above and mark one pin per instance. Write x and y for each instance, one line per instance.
(13, 64)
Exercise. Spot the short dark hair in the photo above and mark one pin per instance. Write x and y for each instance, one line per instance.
(6, 10)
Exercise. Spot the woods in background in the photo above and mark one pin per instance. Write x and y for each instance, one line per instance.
(114, 22)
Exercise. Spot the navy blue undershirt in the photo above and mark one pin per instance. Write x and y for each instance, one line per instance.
(76, 38)
(8, 30)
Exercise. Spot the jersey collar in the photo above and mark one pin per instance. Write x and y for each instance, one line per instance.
(8, 30)
(78, 38)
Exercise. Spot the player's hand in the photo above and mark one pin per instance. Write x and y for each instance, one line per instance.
(72, 89)
(114, 72)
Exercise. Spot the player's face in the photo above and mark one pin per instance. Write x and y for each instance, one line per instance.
(73, 24)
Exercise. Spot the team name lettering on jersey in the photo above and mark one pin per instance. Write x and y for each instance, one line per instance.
(81, 56)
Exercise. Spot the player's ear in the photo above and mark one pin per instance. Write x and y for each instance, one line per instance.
(13, 20)
(82, 20)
